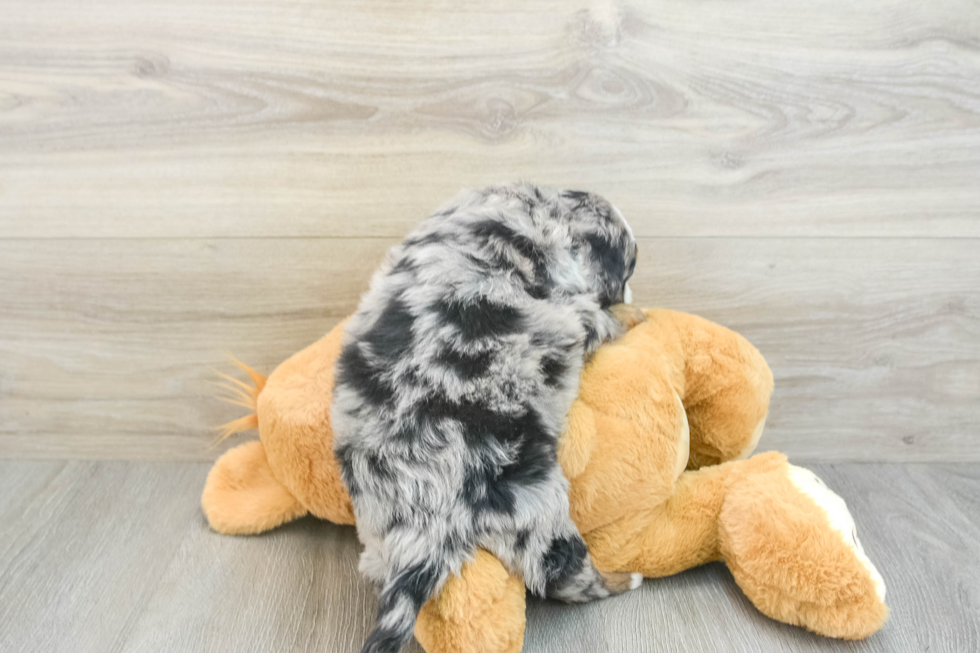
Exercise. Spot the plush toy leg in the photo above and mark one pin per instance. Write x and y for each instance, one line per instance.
(242, 497)
(787, 539)
(679, 533)
(727, 385)
(479, 611)
(792, 546)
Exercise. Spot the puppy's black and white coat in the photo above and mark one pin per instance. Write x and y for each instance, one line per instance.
(456, 375)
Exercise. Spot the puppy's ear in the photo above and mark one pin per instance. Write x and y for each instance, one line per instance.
(632, 264)
(608, 257)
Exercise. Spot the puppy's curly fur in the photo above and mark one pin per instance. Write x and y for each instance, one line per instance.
(457, 372)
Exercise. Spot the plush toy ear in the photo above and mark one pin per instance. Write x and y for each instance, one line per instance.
(243, 497)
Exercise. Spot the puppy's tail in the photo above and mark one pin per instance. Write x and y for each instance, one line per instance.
(402, 597)
(240, 394)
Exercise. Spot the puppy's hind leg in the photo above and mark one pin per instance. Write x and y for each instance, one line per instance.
(550, 552)
(572, 577)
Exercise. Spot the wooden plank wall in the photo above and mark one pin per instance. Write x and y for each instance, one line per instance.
(179, 178)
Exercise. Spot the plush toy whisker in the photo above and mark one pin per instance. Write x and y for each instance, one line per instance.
(240, 394)
(236, 395)
(257, 378)
(240, 425)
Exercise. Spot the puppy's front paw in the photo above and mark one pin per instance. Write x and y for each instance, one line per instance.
(628, 315)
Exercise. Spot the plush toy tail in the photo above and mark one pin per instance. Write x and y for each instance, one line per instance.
(240, 394)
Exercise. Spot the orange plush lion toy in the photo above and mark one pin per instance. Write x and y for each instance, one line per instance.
(657, 450)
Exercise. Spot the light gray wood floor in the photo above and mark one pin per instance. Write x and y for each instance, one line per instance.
(108, 557)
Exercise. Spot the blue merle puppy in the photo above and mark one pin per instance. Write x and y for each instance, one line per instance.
(455, 378)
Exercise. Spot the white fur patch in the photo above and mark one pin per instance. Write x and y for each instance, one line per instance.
(628, 295)
(635, 580)
(839, 516)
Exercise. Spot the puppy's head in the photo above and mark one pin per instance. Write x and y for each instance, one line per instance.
(605, 245)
